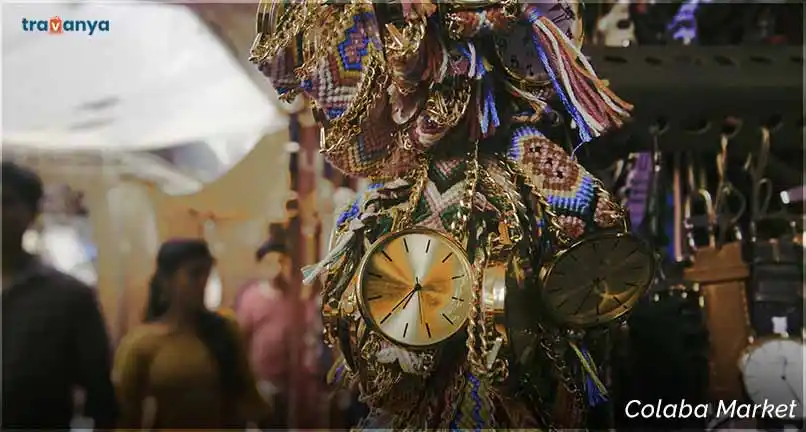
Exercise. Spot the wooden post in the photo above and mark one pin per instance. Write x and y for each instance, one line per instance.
(304, 229)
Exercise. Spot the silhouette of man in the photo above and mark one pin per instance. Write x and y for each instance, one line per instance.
(54, 338)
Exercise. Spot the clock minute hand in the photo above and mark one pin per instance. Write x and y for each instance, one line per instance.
(404, 299)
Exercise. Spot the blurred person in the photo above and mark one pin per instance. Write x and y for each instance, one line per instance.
(266, 313)
(186, 366)
(54, 339)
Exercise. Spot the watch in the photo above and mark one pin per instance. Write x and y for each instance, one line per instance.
(597, 279)
(517, 52)
(415, 287)
(772, 372)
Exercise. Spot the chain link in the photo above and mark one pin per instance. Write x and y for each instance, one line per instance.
(289, 25)
(405, 217)
(553, 220)
(549, 346)
(458, 228)
(344, 129)
(514, 230)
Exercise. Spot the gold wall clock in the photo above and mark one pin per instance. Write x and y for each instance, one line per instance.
(598, 279)
(415, 287)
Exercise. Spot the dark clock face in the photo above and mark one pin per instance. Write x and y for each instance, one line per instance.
(598, 280)
(415, 287)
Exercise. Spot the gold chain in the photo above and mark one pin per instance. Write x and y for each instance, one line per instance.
(553, 221)
(289, 25)
(458, 228)
(475, 323)
(404, 217)
(345, 128)
(566, 376)
(514, 230)
(401, 46)
(445, 108)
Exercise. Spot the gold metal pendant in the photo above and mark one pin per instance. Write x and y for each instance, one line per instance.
(414, 287)
(494, 297)
(597, 279)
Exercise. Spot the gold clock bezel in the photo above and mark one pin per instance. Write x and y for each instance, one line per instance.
(603, 318)
(494, 294)
(384, 240)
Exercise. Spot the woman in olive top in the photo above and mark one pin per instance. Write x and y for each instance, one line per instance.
(186, 367)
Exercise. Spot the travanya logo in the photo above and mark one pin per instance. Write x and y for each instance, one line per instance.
(56, 25)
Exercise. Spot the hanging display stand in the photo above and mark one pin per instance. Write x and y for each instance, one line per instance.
(690, 95)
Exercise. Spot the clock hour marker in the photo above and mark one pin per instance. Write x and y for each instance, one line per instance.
(428, 246)
(458, 299)
(428, 330)
(405, 329)
(446, 318)
(447, 256)
(387, 256)
(386, 317)
(375, 275)
(457, 277)
(406, 245)
(375, 297)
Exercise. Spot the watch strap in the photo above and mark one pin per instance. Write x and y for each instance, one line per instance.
(721, 273)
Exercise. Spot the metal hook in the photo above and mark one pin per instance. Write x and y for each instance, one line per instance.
(762, 186)
(725, 218)
(710, 215)
(722, 158)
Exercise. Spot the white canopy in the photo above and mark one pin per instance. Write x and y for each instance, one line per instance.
(157, 78)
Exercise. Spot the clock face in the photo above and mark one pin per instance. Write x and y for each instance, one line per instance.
(598, 279)
(415, 287)
(773, 370)
(517, 50)
(519, 56)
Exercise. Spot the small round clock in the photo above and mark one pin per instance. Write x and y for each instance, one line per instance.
(597, 280)
(517, 52)
(772, 370)
(415, 287)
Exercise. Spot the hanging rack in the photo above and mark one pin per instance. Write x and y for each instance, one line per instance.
(690, 91)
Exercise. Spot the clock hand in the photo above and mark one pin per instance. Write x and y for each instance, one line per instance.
(791, 390)
(405, 299)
